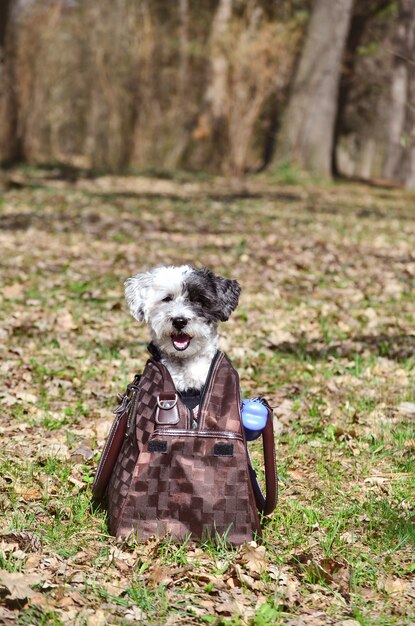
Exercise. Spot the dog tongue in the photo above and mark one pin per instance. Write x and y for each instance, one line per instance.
(181, 341)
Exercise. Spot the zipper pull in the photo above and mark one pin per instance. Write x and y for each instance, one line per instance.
(119, 410)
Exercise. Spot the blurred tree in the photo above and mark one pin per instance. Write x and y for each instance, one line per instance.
(5, 7)
(362, 23)
(217, 91)
(182, 107)
(400, 161)
(5, 19)
(307, 129)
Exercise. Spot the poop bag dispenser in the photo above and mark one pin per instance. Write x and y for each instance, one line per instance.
(254, 417)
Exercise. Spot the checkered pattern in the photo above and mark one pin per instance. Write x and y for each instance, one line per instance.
(221, 410)
(182, 487)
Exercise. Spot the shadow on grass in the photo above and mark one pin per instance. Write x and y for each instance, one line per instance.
(398, 347)
(51, 171)
(388, 528)
(59, 221)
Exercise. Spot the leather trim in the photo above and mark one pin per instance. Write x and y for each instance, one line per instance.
(109, 455)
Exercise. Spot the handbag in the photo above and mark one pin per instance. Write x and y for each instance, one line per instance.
(163, 473)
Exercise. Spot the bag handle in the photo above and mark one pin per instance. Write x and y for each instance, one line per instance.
(266, 504)
(114, 441)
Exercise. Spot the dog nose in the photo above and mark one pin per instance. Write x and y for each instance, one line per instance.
(179, 322)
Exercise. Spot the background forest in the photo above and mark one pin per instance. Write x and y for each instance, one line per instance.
(227, 86)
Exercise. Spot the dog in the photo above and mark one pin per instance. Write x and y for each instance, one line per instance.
(183, 306)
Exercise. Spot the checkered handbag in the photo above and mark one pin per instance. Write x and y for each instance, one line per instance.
(162, 473)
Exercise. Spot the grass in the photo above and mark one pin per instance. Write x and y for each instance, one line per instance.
(324, 329)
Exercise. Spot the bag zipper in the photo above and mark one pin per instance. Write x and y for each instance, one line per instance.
(132, 409)
(183, 432)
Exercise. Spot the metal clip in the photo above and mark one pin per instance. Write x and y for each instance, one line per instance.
(121, 408)
(167, 413)
(167, 403)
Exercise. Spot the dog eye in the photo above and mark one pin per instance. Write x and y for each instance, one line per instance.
(167, 299)
(198, 299)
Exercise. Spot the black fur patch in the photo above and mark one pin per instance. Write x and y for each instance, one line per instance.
(211, 297)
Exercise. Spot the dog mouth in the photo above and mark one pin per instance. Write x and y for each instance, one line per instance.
(181, 341)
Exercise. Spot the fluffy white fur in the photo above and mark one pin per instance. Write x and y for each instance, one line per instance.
(165, 295)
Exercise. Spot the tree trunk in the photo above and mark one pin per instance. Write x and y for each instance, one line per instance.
(10, 145)
(364, 12)
(182, 106)
(400, 160)
(409, 169)
(307, 131)
(211, 134)
(217, 93)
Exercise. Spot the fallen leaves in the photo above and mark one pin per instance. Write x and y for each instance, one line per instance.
(24, 540)
(332, 572)
(17, 587)
(407, 408)
(324, 329)
(254, 559)
(64, 322)
(13, 292)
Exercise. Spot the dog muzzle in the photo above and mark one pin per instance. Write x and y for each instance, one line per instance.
(181, 341)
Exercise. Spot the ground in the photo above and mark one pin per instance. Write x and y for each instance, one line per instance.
(325, 330)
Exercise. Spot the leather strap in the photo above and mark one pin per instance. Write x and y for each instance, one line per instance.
(109, 456)
(114, 441)
(266, 504)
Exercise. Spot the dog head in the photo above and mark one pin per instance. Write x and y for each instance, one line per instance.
(183, 306)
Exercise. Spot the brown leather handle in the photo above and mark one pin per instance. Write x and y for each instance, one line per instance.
(271, 482)
(266, 504)
(109, 456)
(114, 442)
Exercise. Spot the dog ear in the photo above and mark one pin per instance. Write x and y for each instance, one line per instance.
(228, 292)
(136, 293)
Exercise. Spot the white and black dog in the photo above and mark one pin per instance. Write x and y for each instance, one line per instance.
(183, 306)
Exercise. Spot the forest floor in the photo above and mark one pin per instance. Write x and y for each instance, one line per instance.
(325, 330)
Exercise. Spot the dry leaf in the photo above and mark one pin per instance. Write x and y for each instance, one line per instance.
(26, 397)
(8, 617)
(29, 494)
(13, 292)
(407, 408)
(98, 618)
(161, 575)
(17, 586)
(26, 540)
(253, 558)
(82, 453)
(394, 585)
(64, 322)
